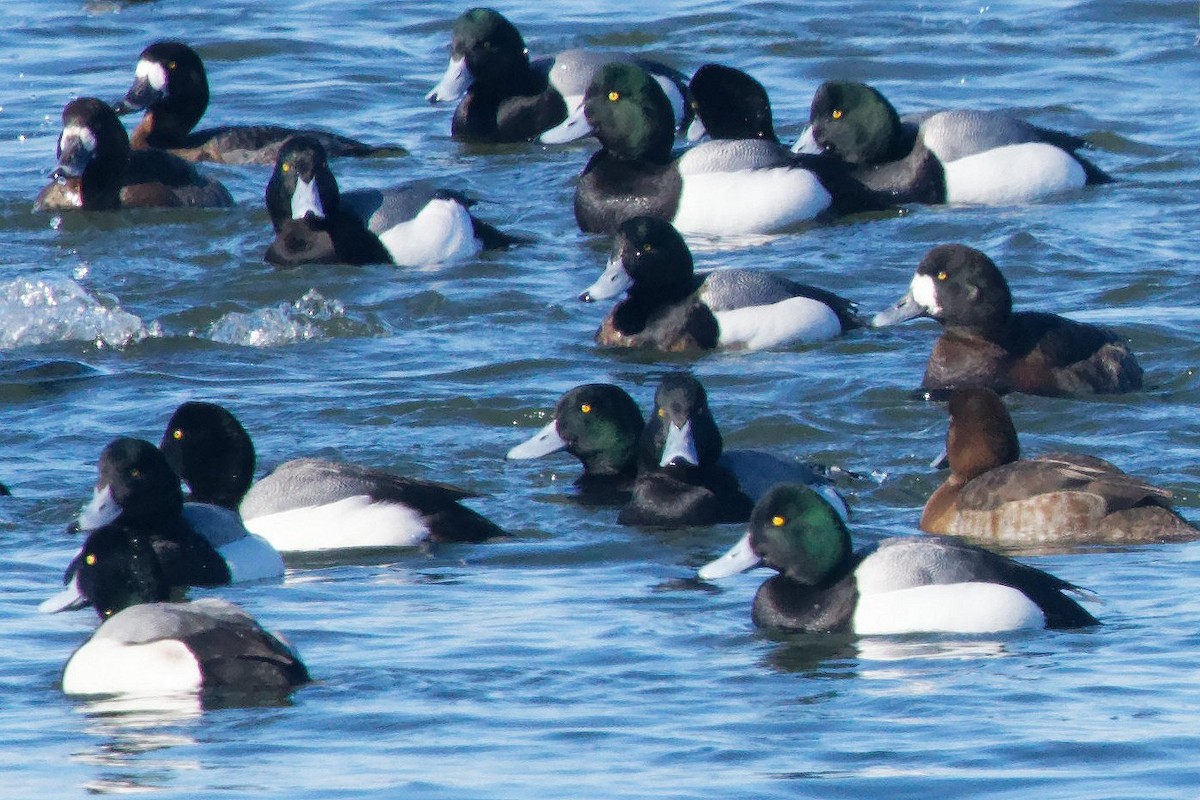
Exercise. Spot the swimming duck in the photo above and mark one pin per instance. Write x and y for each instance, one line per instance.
(716, 187)
(986, 343)
(729, 104)
(668, 307)
(508, 98)
(981, 157)
(310, 504)
(684, 475)
(411, 225)
(97, 171)
(207, 645)
(902, 585)
(1060, 498)
(171, 86)
(138, 496)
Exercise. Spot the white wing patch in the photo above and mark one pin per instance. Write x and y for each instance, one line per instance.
(1016, 173)
(441, 232)
(349, 523)
(947, 608)
(749, 201)
(791, 321)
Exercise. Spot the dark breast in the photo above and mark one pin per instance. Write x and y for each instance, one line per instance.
(611, 191)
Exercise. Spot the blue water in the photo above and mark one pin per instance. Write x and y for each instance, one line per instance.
(580, 659)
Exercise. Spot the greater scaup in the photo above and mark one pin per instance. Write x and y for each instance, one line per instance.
(171, 86)
(1056, 499)
(982, 157)
(137, 496)
(905, 584)
(508, 98)
(310, 504)
(985, 342)
(97, 171)
(737, 186)
(669, 307)
(411, 225)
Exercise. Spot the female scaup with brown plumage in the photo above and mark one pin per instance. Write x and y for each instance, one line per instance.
(981, 157)
(905, 584)
(993, 495)
(986, 343)
(97, 171)
(730, 186)
(668, 307)
(171, 86)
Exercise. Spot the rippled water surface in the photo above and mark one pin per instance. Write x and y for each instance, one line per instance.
(580, 659)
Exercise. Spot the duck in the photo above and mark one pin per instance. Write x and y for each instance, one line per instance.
(957, 156)
(993, 495)
(207, 646)
(728, 103)
(506, 97)
(986, 343)
(171, 86)
(411, 225)
(669, 307)
(684, 475)
(97, 171)
(902, 585)
(312, 504)
(742, 186)
(137, 496)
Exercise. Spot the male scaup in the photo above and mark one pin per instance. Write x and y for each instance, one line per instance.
(97, 171)
(310, 504)
(982, 157)
(159, 648)
(737, 186)
(508, 98)
(986, 343)
(138, 497)
(171, 86)
(411, 225)
(668, 307)
(684, 475)
(902, 585)
(729, 104)
(1059, 498)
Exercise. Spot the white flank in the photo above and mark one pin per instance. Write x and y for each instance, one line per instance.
(791, 321)
(456, 80)
(1016, 173)
(441, 232)
(924, 292)
(346, 524)
(252, 558)
(749, 201)
(108, 666)
(307, 200)
(153, 73)
(674, 96)
(947, 608)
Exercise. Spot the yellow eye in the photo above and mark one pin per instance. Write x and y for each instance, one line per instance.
(135, 473)
(941, 276)
(837, 113)
(177, 435)
(90, 559)
(648, 248)
(778, 522)
(171, 65)
(586, 408)
(108, 612)
(285, 167)
(614, 96)
(662, 413)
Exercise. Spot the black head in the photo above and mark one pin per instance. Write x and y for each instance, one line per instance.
(967, 287)
(731, 104)
(491, 46)
(795, 531)
(854, 122)
(301, 185)
(118, 568)
(140, 481)
(600, 424)
(630, 114)
(94, 150)
(655, 257)
(681, 434)
(170, 81)
(211, 452)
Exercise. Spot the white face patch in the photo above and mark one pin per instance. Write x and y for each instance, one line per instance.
(305, 200)
(924, 292)
(153, 73)
(77, 135)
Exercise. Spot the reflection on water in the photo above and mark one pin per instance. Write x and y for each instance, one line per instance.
(136, 739)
